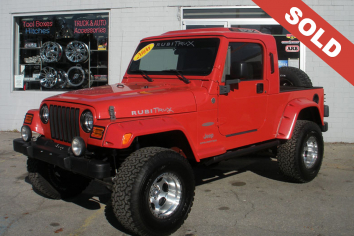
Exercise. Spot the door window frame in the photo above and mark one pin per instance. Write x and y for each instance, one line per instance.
(256, 42)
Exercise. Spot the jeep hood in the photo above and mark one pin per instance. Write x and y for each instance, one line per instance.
(133, 99)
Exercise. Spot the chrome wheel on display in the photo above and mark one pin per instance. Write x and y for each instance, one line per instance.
(51, 52)
(62, 78)
(48, 77)
(165, 195)
(77, 51)
(76, 76)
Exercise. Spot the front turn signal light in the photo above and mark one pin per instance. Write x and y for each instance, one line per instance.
(28, 118)
(126, 138)
(97, 132)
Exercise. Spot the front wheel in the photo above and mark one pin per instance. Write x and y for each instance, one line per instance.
(53, 182)
(300, 158)
(153, 191)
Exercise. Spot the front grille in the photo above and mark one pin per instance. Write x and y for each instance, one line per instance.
(64, 123)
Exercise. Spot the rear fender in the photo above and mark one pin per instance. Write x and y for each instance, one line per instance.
(115, 131)
(36, 124)
(292, 113)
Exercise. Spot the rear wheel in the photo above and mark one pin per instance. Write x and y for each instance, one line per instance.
(153, 191)
(291, 76)
(300, 158)
(54, 182)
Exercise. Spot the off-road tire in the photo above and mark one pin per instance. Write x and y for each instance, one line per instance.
(294, 77)
(131, 197)
(291, 154)
(54, 182)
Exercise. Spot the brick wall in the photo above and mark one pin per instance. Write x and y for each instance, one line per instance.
(132, 20)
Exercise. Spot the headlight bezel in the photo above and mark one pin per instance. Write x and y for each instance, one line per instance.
(44, 113)
(86, 121)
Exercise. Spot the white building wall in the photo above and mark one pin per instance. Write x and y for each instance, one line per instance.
(132, 20)
(339, 92)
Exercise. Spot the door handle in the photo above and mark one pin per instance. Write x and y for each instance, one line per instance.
(260, 88)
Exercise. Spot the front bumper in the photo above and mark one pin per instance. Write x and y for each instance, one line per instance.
(50, 152)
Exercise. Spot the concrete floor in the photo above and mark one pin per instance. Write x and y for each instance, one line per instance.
(244, 196)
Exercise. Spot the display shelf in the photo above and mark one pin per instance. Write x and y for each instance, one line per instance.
(35, 48)
(99, 67)
(30, 79)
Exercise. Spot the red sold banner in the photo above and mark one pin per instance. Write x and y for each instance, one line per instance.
(316, 33)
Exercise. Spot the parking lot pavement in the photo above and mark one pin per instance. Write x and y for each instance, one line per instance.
(243, 196)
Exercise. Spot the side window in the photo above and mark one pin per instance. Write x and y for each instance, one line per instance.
(248, 58)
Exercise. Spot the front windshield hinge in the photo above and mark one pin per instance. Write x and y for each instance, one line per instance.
(112, 113)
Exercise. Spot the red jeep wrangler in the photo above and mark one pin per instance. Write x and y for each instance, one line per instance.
(200, 96)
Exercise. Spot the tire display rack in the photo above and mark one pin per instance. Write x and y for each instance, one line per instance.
(64, 64)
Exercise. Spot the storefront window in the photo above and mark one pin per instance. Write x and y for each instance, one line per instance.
(224, 13)
(61, 52)
(290, 50)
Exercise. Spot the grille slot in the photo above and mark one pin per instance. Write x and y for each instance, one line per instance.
(64, 123)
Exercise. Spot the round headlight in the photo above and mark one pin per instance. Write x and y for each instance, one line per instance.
(44, 114)
(26, 133)
(78, 146)
(86, 121)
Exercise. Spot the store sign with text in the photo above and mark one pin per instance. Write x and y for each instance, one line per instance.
(90, 26)
(79, 26)
(292, 48)
(36, 27)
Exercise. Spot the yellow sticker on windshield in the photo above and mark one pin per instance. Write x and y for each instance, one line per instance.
(143, 52)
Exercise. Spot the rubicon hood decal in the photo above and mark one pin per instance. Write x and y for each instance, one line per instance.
(154, 110)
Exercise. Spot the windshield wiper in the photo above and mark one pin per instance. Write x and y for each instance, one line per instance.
(143, 73)
(178, 73)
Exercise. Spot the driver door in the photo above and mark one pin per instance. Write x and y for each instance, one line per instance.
(243, 109)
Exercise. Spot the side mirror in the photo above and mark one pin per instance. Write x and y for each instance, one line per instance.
(239, 70)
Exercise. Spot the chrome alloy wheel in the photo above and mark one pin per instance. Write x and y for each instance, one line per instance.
(77, 51)
(310, 152)
(76, 76)
(165, 195)
(51, 52)
(48, 77)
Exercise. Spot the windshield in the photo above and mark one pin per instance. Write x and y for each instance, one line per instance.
(187, 56)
